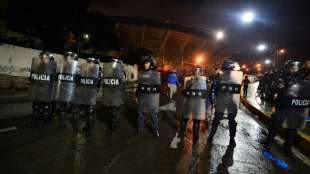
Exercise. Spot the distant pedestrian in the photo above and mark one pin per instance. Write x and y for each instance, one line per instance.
(173, 83)
(245, 84)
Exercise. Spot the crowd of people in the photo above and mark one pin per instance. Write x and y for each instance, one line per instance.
(72, 86)
(287, 90)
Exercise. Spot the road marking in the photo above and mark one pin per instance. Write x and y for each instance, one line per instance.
(8, 129)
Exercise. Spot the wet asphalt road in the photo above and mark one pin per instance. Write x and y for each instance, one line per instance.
(49, 149)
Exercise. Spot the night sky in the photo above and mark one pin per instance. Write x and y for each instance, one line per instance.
(283, 23)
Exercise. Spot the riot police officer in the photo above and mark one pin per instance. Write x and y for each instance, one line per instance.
(87, 94)
(307, 69)
(42, 77)
(227, 97)
(195, 94)
(112, 90)
(291, 104)
(68, 72)
(148, 93)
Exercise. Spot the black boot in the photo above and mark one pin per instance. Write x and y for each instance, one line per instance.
(289, 140)
(232, 129)
(140, 131)
(90, 124)
(275, 124)
(270, 138)
(183, 127)
(116, 118)
(215, 124)
(196, 128)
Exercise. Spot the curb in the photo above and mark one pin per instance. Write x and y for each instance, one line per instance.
(303, 142)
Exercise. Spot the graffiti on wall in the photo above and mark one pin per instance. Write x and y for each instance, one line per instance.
(14, 71)
(16, 61)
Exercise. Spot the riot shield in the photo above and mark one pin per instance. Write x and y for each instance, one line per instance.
(294, 104)
(68, 72)
(148, 91)
(88, 84)
(194, 97)
(228, 91)
(112, 83)
(42, 78)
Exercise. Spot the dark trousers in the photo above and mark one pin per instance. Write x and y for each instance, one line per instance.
(65, 108)
(154, 120)
(196, 128)
(113, 117)
(232, 124)
(245, 90)
(290, 134)
(153, 112)
(90, 116)
(42, 111)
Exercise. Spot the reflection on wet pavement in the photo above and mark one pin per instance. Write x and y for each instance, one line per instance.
(50, 149)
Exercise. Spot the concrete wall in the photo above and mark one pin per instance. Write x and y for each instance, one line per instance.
(15, 65)
(16, 61)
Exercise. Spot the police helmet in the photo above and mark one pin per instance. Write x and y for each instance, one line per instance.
(230, 65)
(198, 69)
(91, 59)
(149, 59)
(293, 66)
(46, 54)
(71, 55)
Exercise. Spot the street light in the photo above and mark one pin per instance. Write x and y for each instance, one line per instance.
(282, 51)
(86, 36)
(258, 65)
(199, 59)
(267, 61)
(247, 17)
(219, 35)
(261, 47)
(243, 66)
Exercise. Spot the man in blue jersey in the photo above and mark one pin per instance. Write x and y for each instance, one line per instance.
(173, 82)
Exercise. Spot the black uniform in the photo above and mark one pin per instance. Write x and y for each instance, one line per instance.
(42, 77)
(291, 105)
(87, 94)
(65, 90)
(112, 91)
(227, 98)
(148, 95)
(194, 104)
